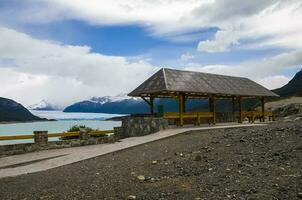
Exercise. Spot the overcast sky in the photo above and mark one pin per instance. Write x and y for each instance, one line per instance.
(69, 50)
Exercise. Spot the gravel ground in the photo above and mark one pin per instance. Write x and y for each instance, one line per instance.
(242, 163)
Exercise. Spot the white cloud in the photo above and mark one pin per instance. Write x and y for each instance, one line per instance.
(223, 40)
(270, 82)
(273, 82)
(62, 73)
(186, 57)
(267, 71)
(160, 16)
(276, 23)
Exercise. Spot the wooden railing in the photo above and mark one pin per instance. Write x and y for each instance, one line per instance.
(189, 115)
(65, 134)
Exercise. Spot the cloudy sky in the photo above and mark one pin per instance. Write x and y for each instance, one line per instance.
(69, 50)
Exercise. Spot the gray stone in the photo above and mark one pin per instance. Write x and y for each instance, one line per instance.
(154, 162)
(141, 177)
(41, 137)
(131, 197)
(197, 158)
(84, 134)
(75, 143)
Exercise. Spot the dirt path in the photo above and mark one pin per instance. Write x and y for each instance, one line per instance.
(243, 163)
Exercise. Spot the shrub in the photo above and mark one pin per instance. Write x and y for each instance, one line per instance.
(78, 127)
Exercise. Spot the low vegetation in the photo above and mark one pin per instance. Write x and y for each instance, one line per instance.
(76, 128)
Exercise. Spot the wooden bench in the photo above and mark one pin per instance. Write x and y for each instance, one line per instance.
(252, 115)
(190, 115)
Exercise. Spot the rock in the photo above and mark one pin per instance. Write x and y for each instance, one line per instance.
(197, 158)
(154, 162)
(299, 195)
(131, 197)
(252, 190)
(75, 143)
(141, 177)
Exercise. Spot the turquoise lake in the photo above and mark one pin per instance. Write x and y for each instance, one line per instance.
(65, 121)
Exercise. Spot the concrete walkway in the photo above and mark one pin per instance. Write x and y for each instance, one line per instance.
(48, 159)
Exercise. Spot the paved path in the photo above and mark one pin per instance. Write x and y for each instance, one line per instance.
(48, 159)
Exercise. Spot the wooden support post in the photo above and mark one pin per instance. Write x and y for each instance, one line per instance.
(263, 108)
(253, 116)
(240, 109)
(184, 102)
(233, 107)
(212, 101)
(214, 110)
(198, 119)
(151, 105)
(181, 109)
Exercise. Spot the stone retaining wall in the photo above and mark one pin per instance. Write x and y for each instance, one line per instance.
(139, 126)
(14, 149)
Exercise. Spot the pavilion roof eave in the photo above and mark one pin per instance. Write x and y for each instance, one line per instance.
(167, 94)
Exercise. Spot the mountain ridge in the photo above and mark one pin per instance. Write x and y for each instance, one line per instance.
(11, 111)
(292, 88)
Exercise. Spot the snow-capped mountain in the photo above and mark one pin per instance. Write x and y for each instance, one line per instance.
(123, 104)
(120, 104)
(43, 105)
(108, 99)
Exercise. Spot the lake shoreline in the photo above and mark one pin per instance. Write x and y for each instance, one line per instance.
(18, 122)
(61, 122)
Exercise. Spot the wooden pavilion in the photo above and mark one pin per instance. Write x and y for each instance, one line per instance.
(181, 85)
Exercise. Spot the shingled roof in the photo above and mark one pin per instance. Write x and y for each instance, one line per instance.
(171, 80)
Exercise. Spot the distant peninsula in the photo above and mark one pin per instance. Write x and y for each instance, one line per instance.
(11, 111)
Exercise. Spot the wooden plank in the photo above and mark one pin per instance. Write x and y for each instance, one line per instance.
(16, 137)
(67, 134)
(176, 115)
(103, 132)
